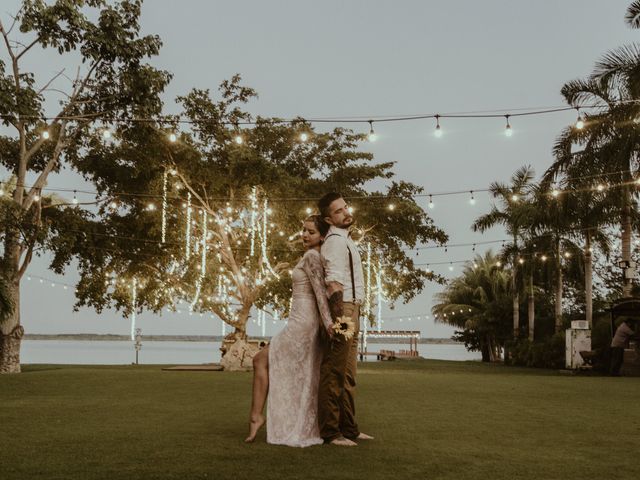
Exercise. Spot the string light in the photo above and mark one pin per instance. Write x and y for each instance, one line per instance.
(75, 198)
(372, 135)
(438, 131)
(379, 294)
(254, 212)
(391, 207)
(600, 187)
(151, 207)
(164, 206)
(45, 135)
(580, 121)
(555, 192)
(309, 211)
(106, 133)
(304, 137)
(508, 130)
(431, 205)
(238, 139)
(187, 246)
(172, 137)
(472, 200)
(515, 197)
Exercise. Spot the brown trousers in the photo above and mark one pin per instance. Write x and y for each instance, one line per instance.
(337, 392)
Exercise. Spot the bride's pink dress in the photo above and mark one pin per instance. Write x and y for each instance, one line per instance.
(294, 360)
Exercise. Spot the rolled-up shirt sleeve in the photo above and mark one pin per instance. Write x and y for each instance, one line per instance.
(335, 259)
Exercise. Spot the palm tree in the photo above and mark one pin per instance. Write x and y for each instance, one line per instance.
(478, 303)
(609, 142)
(511, 217)
(632, 17)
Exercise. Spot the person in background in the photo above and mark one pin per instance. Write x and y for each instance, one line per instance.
(624, 333)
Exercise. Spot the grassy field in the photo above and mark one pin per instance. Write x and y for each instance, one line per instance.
(431, 419)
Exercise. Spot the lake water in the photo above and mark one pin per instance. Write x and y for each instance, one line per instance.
(97, 352)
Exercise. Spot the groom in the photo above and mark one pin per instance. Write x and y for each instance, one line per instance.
(345, 289)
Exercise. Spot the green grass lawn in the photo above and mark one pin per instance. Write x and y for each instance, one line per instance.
(431, 420)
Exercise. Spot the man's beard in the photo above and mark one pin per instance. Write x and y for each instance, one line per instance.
(348, 222)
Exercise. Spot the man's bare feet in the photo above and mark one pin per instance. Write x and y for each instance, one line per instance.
(343, 442)
(254, 426)
(364, 436)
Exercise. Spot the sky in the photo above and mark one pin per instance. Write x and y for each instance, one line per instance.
(339, 58)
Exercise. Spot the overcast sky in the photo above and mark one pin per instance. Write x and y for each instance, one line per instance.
(367, 59)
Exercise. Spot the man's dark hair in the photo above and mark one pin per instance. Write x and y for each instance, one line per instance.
(324, 202)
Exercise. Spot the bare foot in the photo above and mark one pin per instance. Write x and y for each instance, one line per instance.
(343, 442)
(254, 425)
(364, 436)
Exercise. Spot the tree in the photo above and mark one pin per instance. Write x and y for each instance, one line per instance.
(609, 141)
(478, 302)
(112, 84)
(210, 216)
(511, 216)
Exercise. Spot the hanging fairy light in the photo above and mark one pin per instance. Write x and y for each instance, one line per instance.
(238, 139)
(187, 246)
(134, 294)
(254, 214)
(438, 132)
(515, 197)
(172, 137)
(431, 205)
(372, 135)
(472, 200)
(46, 135)
(508, 131)
(263, 238)
(379, 295)
(203, 260)
(106, 134)
(304, 136)
(391, 207)
(555, 192)
(75, 198)
(164, 206)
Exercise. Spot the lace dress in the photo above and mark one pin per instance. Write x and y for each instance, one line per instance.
(294, 360)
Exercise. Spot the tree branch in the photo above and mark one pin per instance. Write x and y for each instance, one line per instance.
(51, 81)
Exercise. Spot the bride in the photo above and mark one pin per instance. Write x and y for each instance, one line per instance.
(289, 368)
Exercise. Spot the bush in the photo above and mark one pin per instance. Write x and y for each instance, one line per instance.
(549, 353)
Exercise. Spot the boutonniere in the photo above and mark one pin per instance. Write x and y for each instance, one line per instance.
(344, 326)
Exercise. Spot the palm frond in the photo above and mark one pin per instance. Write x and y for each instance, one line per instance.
(632, 16)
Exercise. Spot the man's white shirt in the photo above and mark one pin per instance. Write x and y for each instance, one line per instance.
(335, 257)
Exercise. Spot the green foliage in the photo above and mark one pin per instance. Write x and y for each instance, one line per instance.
(478, 303)
(548, 353)
(207, 163)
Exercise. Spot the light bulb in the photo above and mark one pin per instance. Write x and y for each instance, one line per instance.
(75, 198)
(238, 139)
(555, 192)
(172, 137)
(151, 207)
(372, 135)
(113, 205)
(36, 197)
(580, 123)
(431, 205)
(600, 187)
(45, 135)
(521, 261)
(472, 200)
(438, 132)
(309, 211)
(514, 198)
(304, 137)
(106, 133)
(391, 207)
(507, 130)
(498, 263)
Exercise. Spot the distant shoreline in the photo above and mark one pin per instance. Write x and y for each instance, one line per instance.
(201, 338)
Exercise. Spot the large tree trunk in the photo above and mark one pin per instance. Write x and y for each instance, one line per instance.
(239, 354)
(627, 283)
(558, 305)
(531, 307)
(588, 280)
(11, 332)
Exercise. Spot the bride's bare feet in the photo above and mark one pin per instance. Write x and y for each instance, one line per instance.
(254, 426)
